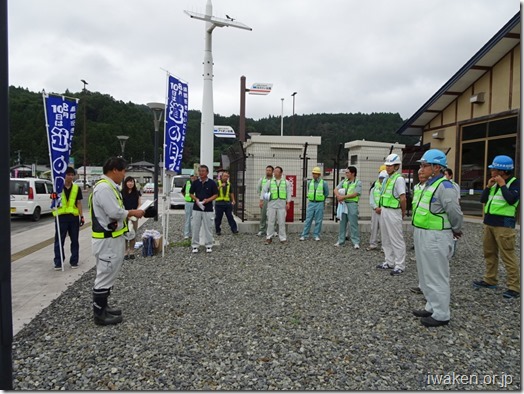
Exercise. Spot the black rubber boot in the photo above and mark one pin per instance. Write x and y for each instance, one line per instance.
(112, 311)
(101, 316)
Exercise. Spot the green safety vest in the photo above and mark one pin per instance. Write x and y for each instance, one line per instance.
(97, 230)
(377, 190)
(312, 191)
(422, 215)
(387, 199)
(68, 206)
(276, 192)
(350, 188)
(187, 196)
(263, 182)
(497, 204)
(417, 193)
(221, 196)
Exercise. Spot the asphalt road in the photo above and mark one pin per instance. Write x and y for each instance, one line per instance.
(22, 223)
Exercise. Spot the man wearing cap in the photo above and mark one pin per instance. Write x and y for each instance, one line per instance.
(374, 197)
(317, 192)
(188, 206)
(348, 192)
(437, 218)
(501, 198)
(392, 209)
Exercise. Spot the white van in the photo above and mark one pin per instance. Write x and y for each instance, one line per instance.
(30, 197)
(176, 197)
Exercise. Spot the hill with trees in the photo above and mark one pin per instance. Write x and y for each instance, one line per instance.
(107, 117)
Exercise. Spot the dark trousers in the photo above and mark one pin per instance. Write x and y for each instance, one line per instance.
(69, 224)
(220, 209)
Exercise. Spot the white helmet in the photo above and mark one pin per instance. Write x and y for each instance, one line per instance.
(383, 174)
(393, 159)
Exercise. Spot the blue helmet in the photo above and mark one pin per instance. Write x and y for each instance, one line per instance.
(434, 156)
(502, 162)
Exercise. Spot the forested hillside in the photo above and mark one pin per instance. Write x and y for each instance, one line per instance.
(108, 117)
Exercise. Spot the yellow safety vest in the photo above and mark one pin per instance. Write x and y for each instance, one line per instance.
(68, 206)
(221, 196)
(417, 193)
(377, 189)
(276, 192)
(497, 204)
(422, 215)
(97, 230)
(187, 196)
(387, 199)
(312, 194)
(350, 188)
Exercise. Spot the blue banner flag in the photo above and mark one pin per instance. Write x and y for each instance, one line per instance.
(60, 116)
(176, 123)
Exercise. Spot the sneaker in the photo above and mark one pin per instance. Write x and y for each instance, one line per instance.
(371, 247)
(302, 239)
(195, 250)
(481, 283)
(58, 268)
(235, 232)
(422, 313)
(284, 241)
(186, 237)
(396, 271)
(415, 290)
(511, 294)
(275, 234)
(126, 257)
(430, 322)
(357, 246)
(337, 244)
(384, 266)
(268, 241)
(209, 249)
(131, 256)
(260, 233)
(219, 233)
(317, 238)
(74, 266)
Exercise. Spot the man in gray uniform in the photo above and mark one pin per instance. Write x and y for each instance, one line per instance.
(437, 218)
(278, 193)
(109, 219)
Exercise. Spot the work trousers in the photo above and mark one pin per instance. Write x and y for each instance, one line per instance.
(220, 210)
(500, 241)
(262, 228)
(352, 218)
(375, 227)
(276, 212)
(69, 224)
(433, 250)
(188, 209)
(393, 238)
(109, 255)
(314, 211)
(202, 220)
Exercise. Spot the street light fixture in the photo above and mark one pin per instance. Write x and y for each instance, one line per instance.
(293, 95)
(158, 110)
(122, 139)
(282, 118)
(85, 131)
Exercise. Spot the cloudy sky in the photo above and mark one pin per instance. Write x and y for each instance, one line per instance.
(338, 55)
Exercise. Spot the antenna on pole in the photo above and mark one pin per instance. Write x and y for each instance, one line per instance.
(207, 123)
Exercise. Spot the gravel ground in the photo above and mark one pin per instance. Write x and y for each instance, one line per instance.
(301, 316)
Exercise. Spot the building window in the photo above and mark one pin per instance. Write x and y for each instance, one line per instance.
(480, 143)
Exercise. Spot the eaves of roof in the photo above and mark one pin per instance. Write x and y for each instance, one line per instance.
(495, 49)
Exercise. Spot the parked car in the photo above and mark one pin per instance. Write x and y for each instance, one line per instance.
(149, 188)
(176, 196)
(80, 182)
(30, 197)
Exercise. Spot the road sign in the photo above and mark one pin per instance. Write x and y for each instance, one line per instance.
(261, 89)
(224, 132)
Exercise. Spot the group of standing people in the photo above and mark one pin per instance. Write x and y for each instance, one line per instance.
(437, 221)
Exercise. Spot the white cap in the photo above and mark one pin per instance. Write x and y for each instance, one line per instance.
(383, 174)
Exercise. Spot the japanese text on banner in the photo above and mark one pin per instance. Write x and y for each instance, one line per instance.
(176, 123)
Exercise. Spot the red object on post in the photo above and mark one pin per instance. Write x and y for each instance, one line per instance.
(290, 213)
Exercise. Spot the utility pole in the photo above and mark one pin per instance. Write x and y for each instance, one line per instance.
(85, 132)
